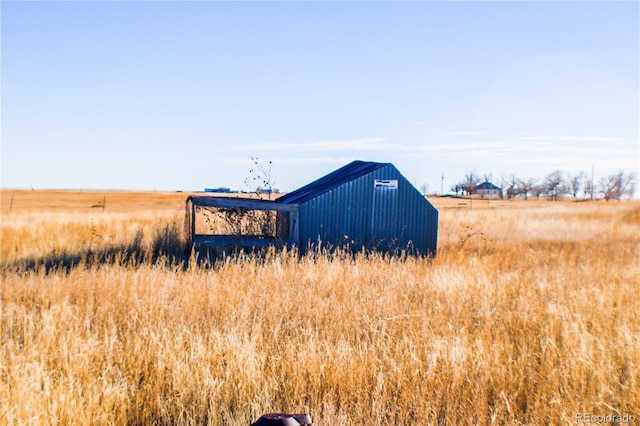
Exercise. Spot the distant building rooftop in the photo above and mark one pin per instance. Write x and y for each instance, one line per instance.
(487, 185)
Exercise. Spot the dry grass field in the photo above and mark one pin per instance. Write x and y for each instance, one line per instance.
(528, 314)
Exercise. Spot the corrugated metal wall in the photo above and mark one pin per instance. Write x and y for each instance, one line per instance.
(362, 215)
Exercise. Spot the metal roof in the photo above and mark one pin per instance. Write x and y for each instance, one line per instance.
(345, 174)
(487, 185)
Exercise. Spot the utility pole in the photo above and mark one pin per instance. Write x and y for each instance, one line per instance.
(442, 185)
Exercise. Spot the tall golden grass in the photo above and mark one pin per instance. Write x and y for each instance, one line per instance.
(528, 314)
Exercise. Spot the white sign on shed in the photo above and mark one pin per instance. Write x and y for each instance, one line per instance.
(386, 183)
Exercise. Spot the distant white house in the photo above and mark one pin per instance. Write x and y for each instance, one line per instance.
(488, 190)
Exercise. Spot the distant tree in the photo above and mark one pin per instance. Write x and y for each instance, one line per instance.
(512, 187)
(587, 188)
(609, 188)
(503, 183)
(630, 185)
(616, 186)
(538, 190)
(456, 188)
(574, 183)
(470, 182)
(487, 177)
(554, 185)
(424, 188)
(525, 186)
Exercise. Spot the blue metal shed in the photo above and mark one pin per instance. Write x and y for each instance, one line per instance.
(365, 205)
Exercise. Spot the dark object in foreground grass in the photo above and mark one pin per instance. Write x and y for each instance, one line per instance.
(281, 419)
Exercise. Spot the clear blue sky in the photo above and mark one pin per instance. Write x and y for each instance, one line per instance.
(179, 96)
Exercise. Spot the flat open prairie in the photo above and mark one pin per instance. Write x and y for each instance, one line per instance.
(528, 314)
